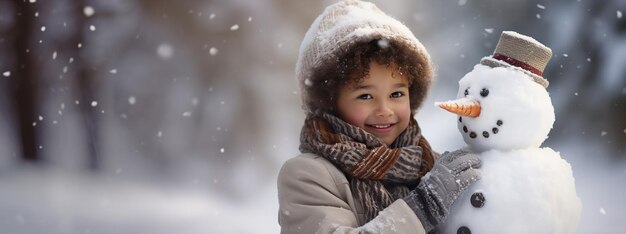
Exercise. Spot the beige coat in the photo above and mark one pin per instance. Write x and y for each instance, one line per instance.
(315, 197)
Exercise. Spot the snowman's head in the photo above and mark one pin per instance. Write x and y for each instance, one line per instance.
(502, 108)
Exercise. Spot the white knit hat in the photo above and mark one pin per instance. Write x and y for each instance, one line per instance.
(348, 23)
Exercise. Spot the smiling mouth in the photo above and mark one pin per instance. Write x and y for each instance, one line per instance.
(381, 127)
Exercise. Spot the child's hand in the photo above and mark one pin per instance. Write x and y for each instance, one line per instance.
(451, 175)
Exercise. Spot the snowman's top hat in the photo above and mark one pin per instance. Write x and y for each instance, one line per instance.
(521, 52)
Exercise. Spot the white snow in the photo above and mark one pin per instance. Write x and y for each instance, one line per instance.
(113, 71)
(132, 100)
(6, 73)
(187, 113)
(54, 55)
(213, 51)
(88, 11)
(234, 27)
(525, 191)
(92, 27)
(619, 14)
(221, 150)
(93, 103)
(71, 201)
(489, 30)
(165, 51)
(43, 28)
(542, 7)
(602, 211)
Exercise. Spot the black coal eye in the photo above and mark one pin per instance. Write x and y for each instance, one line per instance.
(466, 91)
(484, 92)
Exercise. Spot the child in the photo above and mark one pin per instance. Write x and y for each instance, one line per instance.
(363, 75)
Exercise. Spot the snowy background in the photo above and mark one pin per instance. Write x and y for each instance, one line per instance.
(157, 116)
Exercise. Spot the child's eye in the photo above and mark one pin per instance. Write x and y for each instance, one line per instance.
(365, 96)
(397, 94)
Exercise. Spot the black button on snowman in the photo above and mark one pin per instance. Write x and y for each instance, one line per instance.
(477, 200)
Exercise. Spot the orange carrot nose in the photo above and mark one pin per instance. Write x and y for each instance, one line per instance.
(463, 106)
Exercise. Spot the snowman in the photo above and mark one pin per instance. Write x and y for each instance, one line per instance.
(505, 114)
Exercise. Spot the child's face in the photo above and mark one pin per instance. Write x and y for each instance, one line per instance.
(379, 104)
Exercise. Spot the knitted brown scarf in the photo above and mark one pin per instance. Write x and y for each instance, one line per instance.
(378, 174)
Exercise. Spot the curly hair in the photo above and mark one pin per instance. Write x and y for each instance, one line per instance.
(351, 66)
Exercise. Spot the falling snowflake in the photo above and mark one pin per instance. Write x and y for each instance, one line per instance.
(213, 51)
(93, 103)
(382, 43)
(222, 150)
(187, 113)
(165, 51)
(40, 118)
(6, 73)
(113, 71)
(88, 11)
(462, 2)
(538, 16)
(489, 30)
(603, 133)
(212, 16)
(43, 28)
(542, 7)
(92, 27)
(308, 82)
(159, 134)
(249, 19)
(80, 45)
(132, 100)
(602, 211)
(619, 14)
(234, 27)
(32, 1)
(54, 55)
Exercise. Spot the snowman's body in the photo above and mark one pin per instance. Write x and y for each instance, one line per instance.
(523, 188)
(520, 191)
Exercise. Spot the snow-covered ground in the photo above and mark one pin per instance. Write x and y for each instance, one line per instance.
(40, 200)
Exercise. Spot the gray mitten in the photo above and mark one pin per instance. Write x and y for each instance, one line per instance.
(438, 189)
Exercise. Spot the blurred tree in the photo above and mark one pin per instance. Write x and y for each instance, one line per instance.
(24, 84)
(85, 85)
